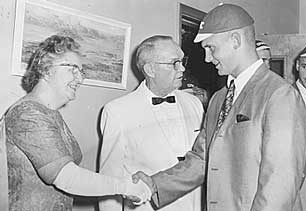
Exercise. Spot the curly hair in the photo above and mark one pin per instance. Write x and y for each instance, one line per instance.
(49, 50)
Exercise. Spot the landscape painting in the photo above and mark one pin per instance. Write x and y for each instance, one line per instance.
(104, 42)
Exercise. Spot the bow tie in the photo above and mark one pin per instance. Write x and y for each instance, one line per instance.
(159, 100)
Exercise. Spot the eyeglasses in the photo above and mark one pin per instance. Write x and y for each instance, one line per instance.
(75, 69)
(176, 64)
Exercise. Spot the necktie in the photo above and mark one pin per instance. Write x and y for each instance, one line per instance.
(227, 104)
(159, 100)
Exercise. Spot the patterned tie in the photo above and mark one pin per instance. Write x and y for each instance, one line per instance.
(159, 100)
(227, 104)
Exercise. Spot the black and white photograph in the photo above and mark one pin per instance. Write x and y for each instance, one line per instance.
(152, 105)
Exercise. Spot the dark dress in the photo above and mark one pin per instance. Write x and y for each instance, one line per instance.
(39, 144)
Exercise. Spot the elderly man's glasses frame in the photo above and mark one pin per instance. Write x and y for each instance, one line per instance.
(176, 64)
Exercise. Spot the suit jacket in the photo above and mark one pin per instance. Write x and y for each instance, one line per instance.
(252, 163)
(133, 140)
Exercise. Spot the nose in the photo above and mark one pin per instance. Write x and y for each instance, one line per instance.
(182, 68)
(79, 77)
(208, 55)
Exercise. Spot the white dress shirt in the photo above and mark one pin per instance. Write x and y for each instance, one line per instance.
(302, 90)
(243, 78)
(170, 118)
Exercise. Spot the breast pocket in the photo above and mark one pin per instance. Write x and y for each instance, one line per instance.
(243, 124)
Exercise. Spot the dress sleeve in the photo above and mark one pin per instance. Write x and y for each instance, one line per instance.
(38, 136)
(79, 181)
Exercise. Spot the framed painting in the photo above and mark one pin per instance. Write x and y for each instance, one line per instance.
(104, 42)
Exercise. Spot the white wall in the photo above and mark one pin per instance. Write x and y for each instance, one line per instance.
(287, 46)
(302, 16)
(147, 17)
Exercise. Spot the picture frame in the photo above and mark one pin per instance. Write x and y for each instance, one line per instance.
(104, 42)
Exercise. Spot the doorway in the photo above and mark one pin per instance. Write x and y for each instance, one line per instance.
(198, 72)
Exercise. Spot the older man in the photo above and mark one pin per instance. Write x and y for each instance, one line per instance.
(153, 127)
(251, 152)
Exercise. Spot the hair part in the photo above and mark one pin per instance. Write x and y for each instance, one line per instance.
(146, 50)
(49, 50)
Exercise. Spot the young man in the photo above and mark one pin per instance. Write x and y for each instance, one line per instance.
(251, 152)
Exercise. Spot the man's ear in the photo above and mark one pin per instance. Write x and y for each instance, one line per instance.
(297, 65)
(149, 70)
(236, 39)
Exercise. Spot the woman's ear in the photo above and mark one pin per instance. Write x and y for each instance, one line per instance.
(236, 39)
(149, 70)
(47, 75)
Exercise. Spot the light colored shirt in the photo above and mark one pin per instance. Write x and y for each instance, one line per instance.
(243, 78)
(302, 90)
(170, 118)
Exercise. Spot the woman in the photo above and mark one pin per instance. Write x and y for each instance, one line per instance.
(41, 151)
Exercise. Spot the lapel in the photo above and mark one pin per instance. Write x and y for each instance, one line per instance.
(213, 113)
(241, 100)
(189, 123)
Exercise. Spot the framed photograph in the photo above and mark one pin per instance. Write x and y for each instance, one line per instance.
(104, 42)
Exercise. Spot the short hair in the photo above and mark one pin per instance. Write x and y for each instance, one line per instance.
(261, 45)
(145, 50)
(249, 34)
(50, 49)
(302, 53)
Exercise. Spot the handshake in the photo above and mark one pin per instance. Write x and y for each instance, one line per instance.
(140, 189)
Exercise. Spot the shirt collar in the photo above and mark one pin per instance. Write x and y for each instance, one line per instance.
(301, 88)
(244, 76)
(148, 94)
(147, 91)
